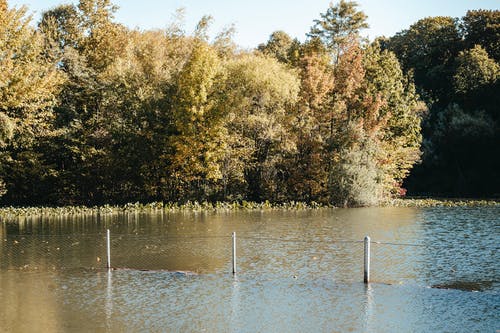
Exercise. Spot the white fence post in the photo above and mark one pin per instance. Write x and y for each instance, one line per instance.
(234, 252)
(108, 247)
(366, 278)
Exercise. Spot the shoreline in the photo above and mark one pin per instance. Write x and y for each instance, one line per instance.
(10, 212)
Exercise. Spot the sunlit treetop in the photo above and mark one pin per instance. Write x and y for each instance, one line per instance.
(338, 23)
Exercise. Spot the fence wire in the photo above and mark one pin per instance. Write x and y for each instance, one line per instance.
(272, 257)
(198, 254)
(52, 252)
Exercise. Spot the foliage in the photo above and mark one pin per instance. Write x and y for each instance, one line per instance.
(400, 113)
(376, 137)
(17, 214)
(355, 178)
(198, 139)
(311, 126)
(482, 27)
(279, 46)
(29, 84)
(259, 94)
(428, 49)
(114, 115)
(423, 202)
(455, 62)
(11, 214)
(475, 71)
(338, 24)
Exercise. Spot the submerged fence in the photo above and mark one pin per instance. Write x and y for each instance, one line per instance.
(275, 257)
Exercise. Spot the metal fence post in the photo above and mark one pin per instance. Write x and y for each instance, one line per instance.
(366, 278)
(234, 252)
(108, 247)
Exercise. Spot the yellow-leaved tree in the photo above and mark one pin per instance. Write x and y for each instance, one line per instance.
(198, 139)
(29, 81)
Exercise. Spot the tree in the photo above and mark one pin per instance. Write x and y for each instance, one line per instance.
(354, 134)
(355, 177)
(428, 49)
(6, 135)
(475, 73)
(88, 43)
(477, 81)
(402, 110)
(376, 127)
(163, 115)
(279, 46)
(29, 82)
(338, 24)
(258, 96)
(198, 142)
(140, 87)
(28, 76)
(462, 155)
(62, 26)
(311, 126)
(456, 71)
(482, 27)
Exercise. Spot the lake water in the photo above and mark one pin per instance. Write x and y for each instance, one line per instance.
(298, 271)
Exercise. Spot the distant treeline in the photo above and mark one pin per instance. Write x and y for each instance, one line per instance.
(456, 67)
(92, 112)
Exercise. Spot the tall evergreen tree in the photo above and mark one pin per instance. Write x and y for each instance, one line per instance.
(338, 24)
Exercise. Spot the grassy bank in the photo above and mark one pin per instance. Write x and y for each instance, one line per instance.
(441, 202)
(156, 207)
(225, 206)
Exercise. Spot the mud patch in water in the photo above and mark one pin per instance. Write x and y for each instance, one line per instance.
(465, 285)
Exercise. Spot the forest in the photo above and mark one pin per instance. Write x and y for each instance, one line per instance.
(92, 112)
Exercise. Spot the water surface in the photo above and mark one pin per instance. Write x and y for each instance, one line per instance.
(297, 271)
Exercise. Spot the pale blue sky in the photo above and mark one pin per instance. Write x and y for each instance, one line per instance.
(255, 20)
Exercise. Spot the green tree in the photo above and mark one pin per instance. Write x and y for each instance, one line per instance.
(88, 43)
(401, 110)
(338, 24)
(279, 46)
(463, 155)
(355, 177)
(258, 96)
(482, 27)
(376, 127)
(456, 71)
(477, 81)
(475, 73)
(198, 142)
(29, 82)
(428, 49)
